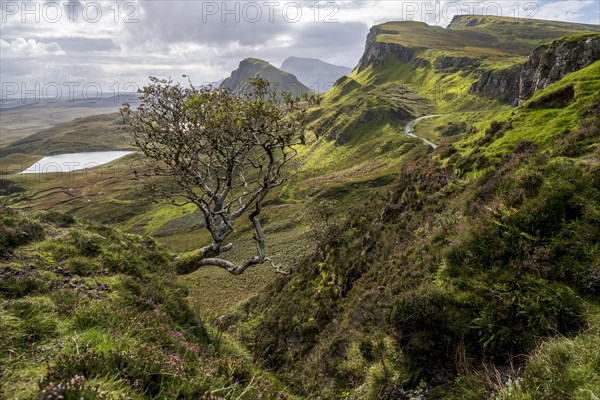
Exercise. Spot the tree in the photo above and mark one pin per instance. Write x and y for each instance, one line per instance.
(221, 152)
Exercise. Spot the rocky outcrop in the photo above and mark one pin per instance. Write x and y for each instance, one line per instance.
(546, 65)
(502, 85)
(550, 63)
(280, 81)
(422, 63)
(454, 64)
(376, 53)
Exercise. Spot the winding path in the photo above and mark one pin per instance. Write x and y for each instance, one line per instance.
(409, 132)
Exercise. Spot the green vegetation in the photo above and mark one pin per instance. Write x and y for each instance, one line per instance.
(24, 120)
(468, 265)
(478, 36)
(90, 312)
(95, 133)
(519, 35)
(467, 272)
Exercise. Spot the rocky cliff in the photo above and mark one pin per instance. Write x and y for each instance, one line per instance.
(546, 65)
(453, 64)
(502, 85)
(376, 53)
(550, 63)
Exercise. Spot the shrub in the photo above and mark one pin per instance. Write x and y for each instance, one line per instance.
(83, 266)
(147, 369)
(17, 230)
(86, 244)
(8, 187)
(516, 313)
(430, 321)
(561, 369)
(451, 129)
(56, 218)
(496, 130)
(448, 151)
(19, 283)
(71, 389)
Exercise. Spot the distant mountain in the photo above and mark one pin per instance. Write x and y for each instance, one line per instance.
(252, 67)
(316, 74)
(114, 101)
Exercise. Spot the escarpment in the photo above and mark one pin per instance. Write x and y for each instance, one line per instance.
(376, 53)
(550, 63)
(502, 85)
(546, 65)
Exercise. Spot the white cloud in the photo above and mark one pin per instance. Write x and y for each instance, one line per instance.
(570, 10)
(21, 48)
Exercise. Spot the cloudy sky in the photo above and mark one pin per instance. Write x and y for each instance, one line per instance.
(115, 46)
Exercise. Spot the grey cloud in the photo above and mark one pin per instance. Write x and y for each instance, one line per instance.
(184, 21)
(164, 41)
(79, 45)
(338, 43)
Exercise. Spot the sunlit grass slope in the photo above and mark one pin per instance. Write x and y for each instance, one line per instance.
(476, 277)
(90, 312)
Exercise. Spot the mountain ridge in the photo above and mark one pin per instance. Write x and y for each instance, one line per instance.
(472, 20)
(248, 68)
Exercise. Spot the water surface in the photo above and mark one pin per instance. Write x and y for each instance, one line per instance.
(74, 161)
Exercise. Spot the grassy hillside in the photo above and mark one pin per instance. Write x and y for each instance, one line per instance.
(361, 150)
(25, 117)
(94, 133)
(478, 254)
(89, 312)
(467, 272)
(103, 132)
(365, 111)
(500, 39)
(518, 35)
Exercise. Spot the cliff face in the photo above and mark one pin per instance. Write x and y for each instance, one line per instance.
(546, 65)
(453, 64)
(550, 63)
(501, 84)
(376, 53)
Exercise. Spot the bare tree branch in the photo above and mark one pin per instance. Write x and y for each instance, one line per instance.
(220, 152)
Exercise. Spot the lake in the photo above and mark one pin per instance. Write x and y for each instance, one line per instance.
(74, 161)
